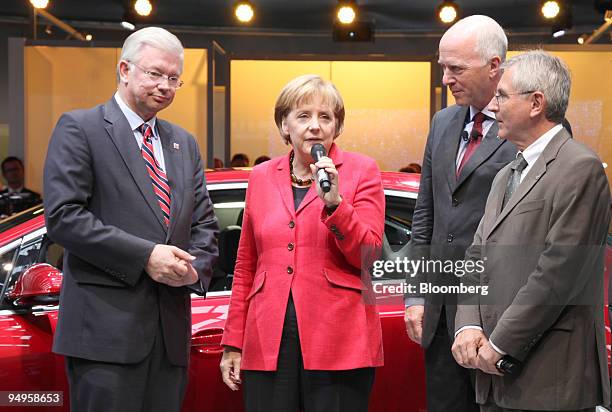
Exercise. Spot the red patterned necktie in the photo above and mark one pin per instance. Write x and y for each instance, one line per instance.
(475, 139)
(158, 177)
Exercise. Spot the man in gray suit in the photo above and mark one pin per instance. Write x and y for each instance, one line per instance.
(462, 155)
(126, 198)
(542, 239)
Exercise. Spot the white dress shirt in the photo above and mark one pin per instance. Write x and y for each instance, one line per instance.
(135, 122)
(535, 149)
(486, 125)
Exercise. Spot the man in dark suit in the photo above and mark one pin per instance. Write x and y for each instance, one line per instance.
(15, 197)
(462, 155)
(126, 197)
(541, 239)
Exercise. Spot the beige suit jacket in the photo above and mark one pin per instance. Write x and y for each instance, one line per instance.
(544, 271)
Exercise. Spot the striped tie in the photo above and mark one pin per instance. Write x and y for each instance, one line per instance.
(158, 177)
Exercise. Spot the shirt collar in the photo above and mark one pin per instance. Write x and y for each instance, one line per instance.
(490, 115)
(535, 149)
(133, 119)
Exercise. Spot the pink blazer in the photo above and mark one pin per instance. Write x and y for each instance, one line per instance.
(315, 256)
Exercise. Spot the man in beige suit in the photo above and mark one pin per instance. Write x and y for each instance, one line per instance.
(541, 239)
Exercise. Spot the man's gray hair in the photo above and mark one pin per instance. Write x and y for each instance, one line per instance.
(537, 70)
(150, 36)
(491, 40)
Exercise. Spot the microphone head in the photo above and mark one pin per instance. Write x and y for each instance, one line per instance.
(317, 151)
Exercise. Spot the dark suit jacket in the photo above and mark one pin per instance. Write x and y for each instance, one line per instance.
(543, 257)
(448, 208)
(100, 206)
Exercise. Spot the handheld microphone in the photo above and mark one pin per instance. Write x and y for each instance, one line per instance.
(317, 152)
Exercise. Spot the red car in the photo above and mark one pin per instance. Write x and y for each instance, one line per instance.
(30, 279)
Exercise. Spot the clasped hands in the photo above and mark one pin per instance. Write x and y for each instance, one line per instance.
(473, 350)
(171, 266)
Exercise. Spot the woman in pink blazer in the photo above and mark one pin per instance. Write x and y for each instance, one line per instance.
(302, 325)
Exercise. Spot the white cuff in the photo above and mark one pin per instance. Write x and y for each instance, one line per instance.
(498, 350)
(467, 327)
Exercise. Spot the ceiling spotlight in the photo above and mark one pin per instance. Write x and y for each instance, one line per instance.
(562, 24)
(128, 21)
(448, 12)
(128, 26)
(550, 9)
(346, 12)
(88, 37)
(244, 11)
(558, 33)
(143, 7)
(581, 39)
(40, 4)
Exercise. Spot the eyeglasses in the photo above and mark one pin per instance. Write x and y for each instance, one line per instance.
(173, 81)
(502, 98)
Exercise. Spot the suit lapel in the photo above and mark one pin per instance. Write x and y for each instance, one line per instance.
(122, 136)
(282, 181)
(529, 181)
(175, 162)
(487, 147)
(450, 144)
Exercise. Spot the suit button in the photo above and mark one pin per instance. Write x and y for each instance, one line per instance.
(290, 247)
(289, 270)
(450, 238)
(291, 224)
(455, 202)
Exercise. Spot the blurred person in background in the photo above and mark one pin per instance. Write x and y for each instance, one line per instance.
(15, 197)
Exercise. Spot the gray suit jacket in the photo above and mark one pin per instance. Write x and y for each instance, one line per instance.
(100, 206)
(544, 270)
(448, 208)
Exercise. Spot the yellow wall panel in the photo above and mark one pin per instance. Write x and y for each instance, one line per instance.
(387, 106)
(387, 109)
(255, 86)
(590, 105)
(188, 109)
(60, 79)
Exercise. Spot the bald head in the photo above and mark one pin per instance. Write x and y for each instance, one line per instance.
(470, 54)
(481, 32)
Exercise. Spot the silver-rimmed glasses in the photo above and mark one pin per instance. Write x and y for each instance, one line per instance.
(173, 81)
(503, 97)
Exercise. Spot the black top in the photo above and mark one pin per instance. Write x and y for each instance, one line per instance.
(298, 195)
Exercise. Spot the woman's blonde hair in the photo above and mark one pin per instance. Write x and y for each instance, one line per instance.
(303, 89)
